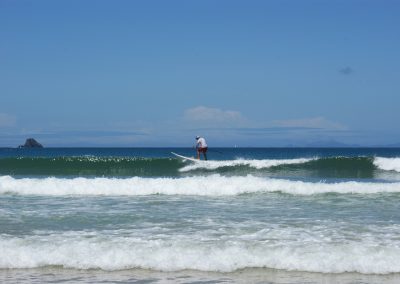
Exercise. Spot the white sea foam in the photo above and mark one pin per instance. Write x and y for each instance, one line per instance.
(387, 164)
(214, 185)
(302, 253)
(257, 164)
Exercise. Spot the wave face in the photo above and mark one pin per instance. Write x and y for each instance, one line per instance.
(214, 185)
(89, 166)
(331, 167)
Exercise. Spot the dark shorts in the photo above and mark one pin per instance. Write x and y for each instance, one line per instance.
(202, 150)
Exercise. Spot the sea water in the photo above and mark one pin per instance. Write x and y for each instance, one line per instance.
(248, 215)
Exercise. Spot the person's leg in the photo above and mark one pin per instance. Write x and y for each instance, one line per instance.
(198, 154)
(205, 153)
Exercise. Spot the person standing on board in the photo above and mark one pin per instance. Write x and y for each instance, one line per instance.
(201, 146)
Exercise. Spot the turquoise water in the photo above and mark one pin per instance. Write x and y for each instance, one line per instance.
(249, 215)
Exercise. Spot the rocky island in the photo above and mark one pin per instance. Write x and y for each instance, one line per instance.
(31, 143)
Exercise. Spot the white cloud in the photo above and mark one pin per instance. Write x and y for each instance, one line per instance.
(213, 115)
(7, 120)
(314, 122)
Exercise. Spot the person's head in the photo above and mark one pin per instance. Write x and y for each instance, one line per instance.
(197, 137)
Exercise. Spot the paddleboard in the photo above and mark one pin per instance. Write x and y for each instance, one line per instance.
(186, 158)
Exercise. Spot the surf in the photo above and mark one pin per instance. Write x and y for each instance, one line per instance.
(387, 164)
(253, 163)
(214, 185)
(269, 249)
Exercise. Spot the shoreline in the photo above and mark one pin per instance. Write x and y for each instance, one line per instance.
(248, 275)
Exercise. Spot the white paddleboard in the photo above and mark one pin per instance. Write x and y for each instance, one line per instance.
(186, 158)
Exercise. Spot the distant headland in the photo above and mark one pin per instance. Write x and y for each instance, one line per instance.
(31, 143)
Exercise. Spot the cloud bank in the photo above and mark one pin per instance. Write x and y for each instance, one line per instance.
(207, 115)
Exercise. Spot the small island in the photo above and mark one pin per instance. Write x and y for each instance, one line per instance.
(31, 143)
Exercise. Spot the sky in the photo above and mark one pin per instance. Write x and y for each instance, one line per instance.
(240, 73)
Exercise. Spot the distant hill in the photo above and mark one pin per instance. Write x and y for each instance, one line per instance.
(395, 145)
(331, 143)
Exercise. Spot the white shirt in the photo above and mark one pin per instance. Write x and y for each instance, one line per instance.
(201, 142)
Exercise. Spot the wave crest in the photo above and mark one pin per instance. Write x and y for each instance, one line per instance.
(387, 164)
(257, 164)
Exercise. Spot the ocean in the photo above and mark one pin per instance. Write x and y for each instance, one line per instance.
(248, 215)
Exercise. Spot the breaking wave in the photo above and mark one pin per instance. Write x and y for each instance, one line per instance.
(335, 167)
(214, 185)
(257, 164)
(305, 252)
(387, 164)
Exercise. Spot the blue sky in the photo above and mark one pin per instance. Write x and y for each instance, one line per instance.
(157, 73)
